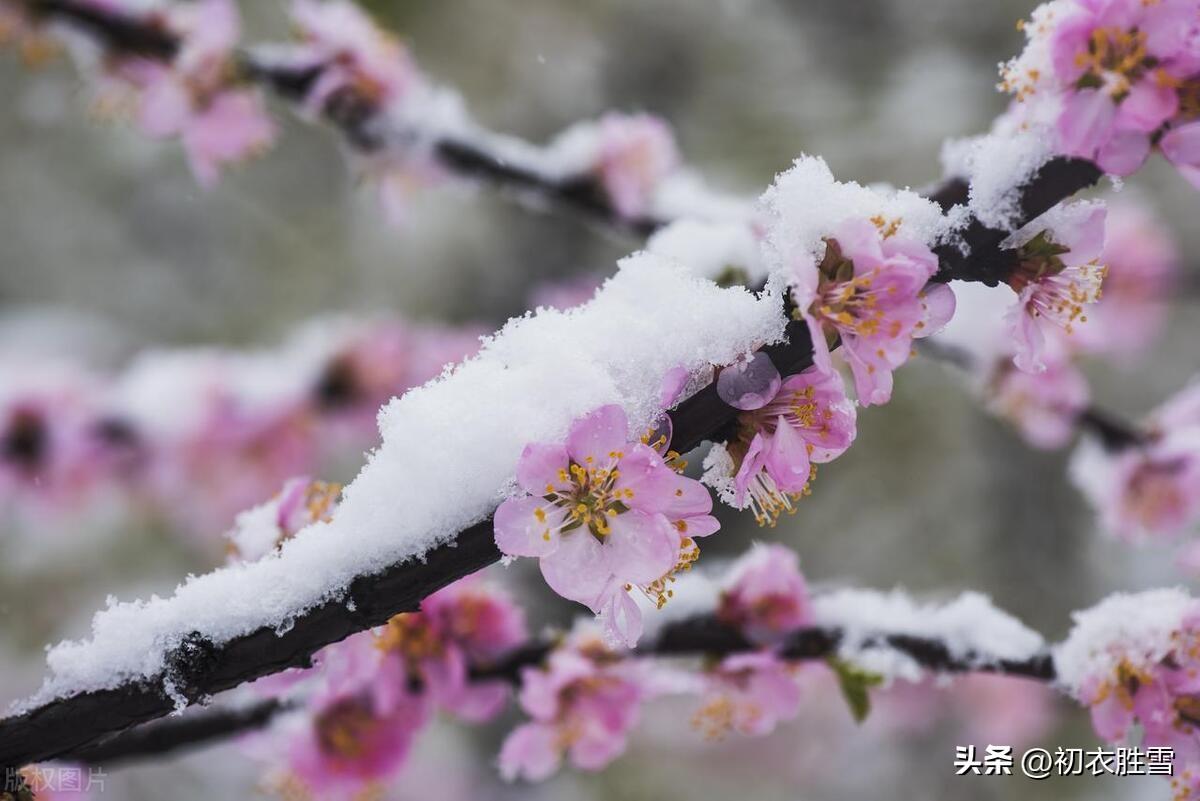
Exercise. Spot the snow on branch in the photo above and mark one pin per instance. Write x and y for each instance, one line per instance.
(408, 527)
(202, 433)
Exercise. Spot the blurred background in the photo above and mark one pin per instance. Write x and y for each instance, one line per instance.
(107, 246)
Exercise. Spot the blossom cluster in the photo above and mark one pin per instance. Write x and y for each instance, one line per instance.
(1115, 79)
(1134, 660)
(1140, 260)
(370, 695)
(197, 95)
(197, 435)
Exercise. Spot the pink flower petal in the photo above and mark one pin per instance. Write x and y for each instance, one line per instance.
(641, 548)
(596, 435)
(520, 532)
(541, 466)
(575, 569)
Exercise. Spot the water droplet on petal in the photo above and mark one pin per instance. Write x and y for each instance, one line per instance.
(749, 383)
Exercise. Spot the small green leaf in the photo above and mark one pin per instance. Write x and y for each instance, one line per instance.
(856, 684)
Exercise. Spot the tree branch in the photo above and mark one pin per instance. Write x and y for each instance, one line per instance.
(359, 120)
(699, 636)
(201, 668)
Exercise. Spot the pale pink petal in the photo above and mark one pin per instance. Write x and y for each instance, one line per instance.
(1124, 153)
(787, 458)
(621, 617)
(641, 547)
(1181, 145)
(531, 751)
(939, 305)
(1085, 122)
(522, 531)
(1147, 106)
(541, 466)
(598, 434)
(576, 570)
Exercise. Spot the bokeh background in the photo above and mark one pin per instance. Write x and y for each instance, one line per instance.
(107, 246)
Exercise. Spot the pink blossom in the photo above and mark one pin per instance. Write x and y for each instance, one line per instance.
(1057, 275)
(1162, 696)
(809, 421)
(1148, 491)
(194, 97)
(582, 705)
(49, 448)
(765, 595)
(351, 733)
(604, 514)
(871, 290)
(749, 694)
(236, 455)
(1181, 146)
(1142, 258)
(355, 53)
(1120, 64)
(468, 624)
(637, 152)
(1043, 406)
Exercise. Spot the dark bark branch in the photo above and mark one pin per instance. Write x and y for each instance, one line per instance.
(980, 258)
(700, 636)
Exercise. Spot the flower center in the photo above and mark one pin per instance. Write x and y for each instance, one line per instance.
(343, 728)
(1116, 56)
(593, 497)
(411, 635)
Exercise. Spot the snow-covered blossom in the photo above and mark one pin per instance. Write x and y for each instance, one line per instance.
(1142, 258)
(353, 53)
(1151, 489)
(629, 155)
(1135, 659)
(1057, 275)
(807, 421)
(583, 702)
(870, 289)
(1114, 78)
(197, 435)
(637, 152)
(604, 514)
(264, 528)
(1044, 406)
(765, 595)
(468, 624)
(748, 694)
